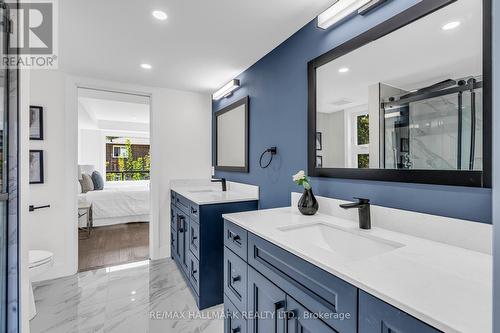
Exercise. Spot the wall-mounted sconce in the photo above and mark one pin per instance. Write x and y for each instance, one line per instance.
(341, 9)
(226, 90)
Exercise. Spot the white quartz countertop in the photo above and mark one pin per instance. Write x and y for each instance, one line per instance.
(446, 286)
(211, 193)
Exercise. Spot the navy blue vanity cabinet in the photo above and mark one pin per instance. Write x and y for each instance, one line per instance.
(376, 316)
(286, 294)
(197, 245)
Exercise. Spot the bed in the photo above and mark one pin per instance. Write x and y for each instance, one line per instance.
(119, 204)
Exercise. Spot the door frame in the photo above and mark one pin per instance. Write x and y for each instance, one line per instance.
(72, 86)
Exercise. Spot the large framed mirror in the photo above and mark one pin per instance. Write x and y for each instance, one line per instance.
(407, 101)
(231, 137)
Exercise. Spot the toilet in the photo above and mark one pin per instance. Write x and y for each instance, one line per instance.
(39, 262)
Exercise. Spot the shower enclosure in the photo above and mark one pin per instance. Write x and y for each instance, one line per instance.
(434, 128)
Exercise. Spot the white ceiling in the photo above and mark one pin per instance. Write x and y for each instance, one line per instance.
(100, 109)
(413, 57)
(202, 45)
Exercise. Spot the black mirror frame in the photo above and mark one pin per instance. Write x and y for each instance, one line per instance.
(244, 101)
(437, 177)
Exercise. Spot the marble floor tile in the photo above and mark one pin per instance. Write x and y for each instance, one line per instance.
(122, 299)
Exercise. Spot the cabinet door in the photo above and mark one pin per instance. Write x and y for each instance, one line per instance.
(300, 320)
(376, 316)
(266, 304)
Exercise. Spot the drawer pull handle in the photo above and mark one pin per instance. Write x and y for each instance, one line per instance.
(194, 238)
(193, 211)
(236, 330)
(234, 237)
(288, 316)
(236, 278)
(278, 306)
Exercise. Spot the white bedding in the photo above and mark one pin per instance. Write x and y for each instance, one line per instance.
(118, 205)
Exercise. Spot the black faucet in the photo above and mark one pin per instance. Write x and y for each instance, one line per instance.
(364, 212)
(222, 181)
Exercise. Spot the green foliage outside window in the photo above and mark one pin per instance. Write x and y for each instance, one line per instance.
(130, 164)
(363, 130)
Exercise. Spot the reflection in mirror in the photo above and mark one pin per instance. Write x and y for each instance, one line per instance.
(232, 137)
(409, 100)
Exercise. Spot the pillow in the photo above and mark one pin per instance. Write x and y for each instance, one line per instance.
(97, 180)
(79, 187)
(87, 184)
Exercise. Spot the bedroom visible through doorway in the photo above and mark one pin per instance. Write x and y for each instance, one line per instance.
(113, 175)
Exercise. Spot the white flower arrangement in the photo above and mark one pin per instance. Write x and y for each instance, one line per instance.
(301, 179)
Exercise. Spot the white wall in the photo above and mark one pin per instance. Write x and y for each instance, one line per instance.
(91, 149)
(181, 148)
(53, 228)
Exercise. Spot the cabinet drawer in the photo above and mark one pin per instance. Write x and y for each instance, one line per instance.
(234, 321)
(194, 212)
(376, 316)
(172, 197)
(194, 272)
(235, 279)
(235, 238)
(316, 289)
(182, 203)
(194, 238)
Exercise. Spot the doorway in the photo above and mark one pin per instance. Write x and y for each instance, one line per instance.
(114, 178)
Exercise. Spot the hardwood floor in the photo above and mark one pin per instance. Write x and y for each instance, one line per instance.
(113, 245)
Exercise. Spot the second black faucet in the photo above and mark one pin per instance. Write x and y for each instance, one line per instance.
(222, 181)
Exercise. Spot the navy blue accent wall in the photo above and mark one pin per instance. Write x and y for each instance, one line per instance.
(277, 86)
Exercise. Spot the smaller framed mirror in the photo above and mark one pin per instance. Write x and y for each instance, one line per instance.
(231, 137)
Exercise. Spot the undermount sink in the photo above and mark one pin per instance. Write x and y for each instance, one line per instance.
(349, 243)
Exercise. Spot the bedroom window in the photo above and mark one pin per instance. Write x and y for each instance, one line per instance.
(127, 158)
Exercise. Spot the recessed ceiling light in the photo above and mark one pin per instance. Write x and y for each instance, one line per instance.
(160, 15)
(451, 25)
(343, 70)
(146, 66)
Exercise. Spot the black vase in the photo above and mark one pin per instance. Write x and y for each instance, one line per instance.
(308, 205)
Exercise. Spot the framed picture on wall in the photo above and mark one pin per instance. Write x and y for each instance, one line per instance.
(319, 161)
(36, 167)
(319, 141)
(36, 122)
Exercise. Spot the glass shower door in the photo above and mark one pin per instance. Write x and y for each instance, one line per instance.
(9, 286)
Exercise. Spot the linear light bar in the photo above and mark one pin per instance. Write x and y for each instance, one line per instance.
(339, 11)
(226, 90)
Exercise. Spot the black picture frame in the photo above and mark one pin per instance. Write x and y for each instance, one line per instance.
(437, 177)
(319, 161)
(319, 141)
(244, 169)
(36, 122)
(36, 170)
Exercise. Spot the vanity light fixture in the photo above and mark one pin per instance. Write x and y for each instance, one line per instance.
(339, 11)
(226, 90)
(146, 66)
(343, 69)
(160, 15)
(451, 25)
